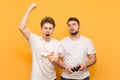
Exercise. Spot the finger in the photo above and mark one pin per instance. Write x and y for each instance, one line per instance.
(51, 53)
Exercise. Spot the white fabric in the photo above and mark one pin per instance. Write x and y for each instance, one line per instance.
(74, 53)
(42, 69)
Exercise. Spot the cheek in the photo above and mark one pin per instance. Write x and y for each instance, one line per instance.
(77, 28)
(68, 28)
(51, 31)
(43, 31)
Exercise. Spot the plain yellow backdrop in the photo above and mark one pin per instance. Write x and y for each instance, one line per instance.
(100, 21)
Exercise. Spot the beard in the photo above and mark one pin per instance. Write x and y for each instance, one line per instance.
(74, 33)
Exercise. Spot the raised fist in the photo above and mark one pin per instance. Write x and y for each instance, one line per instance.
(32, 6)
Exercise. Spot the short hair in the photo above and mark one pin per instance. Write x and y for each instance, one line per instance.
(47, 20)
(73, 19)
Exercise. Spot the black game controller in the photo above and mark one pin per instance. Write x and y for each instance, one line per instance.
(76, 68)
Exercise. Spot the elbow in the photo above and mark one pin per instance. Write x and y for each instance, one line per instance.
(95, 61)
(20, 28)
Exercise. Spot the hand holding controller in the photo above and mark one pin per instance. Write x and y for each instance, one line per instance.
(76, 68)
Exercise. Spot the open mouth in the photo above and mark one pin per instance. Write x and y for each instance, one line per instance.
(47, 34)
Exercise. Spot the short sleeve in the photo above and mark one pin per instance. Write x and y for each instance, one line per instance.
(91, 49)
(58, 48)
(33, 39)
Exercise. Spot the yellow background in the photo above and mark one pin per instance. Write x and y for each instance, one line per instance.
(100, 21)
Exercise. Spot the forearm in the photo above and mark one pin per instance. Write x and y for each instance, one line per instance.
(91, 61)
(61, 64)
(22, 26)
(24, 20)
(65, 67)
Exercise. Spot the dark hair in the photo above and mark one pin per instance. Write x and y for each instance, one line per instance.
(47, 20)
(73, 19)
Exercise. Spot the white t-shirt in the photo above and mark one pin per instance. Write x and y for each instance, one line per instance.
(42, 69)
(74, 53)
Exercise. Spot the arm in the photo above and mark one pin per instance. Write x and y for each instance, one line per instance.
(90, 62)
(55, 59)
(22, 27)
(63, 66)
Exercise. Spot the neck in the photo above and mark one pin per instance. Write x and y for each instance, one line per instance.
(46, 39)
(75, 37)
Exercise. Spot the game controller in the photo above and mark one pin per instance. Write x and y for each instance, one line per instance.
(76, 68)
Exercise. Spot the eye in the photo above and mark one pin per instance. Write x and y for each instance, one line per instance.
(45, 27)
(69, 25)
(74, 24)
(50, 28)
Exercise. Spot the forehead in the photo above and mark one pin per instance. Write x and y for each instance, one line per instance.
(49, 25)
(71, 22)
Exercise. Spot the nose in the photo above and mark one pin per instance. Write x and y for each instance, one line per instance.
(47, 30)
(71, 26)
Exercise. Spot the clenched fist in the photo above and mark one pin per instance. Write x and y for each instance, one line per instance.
(32, 6)
(53, 57)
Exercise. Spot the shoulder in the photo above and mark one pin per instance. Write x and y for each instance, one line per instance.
(64, 39)
(55, 40)
(33, 36)
(84, 38)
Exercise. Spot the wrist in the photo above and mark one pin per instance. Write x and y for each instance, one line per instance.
(85, 64)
